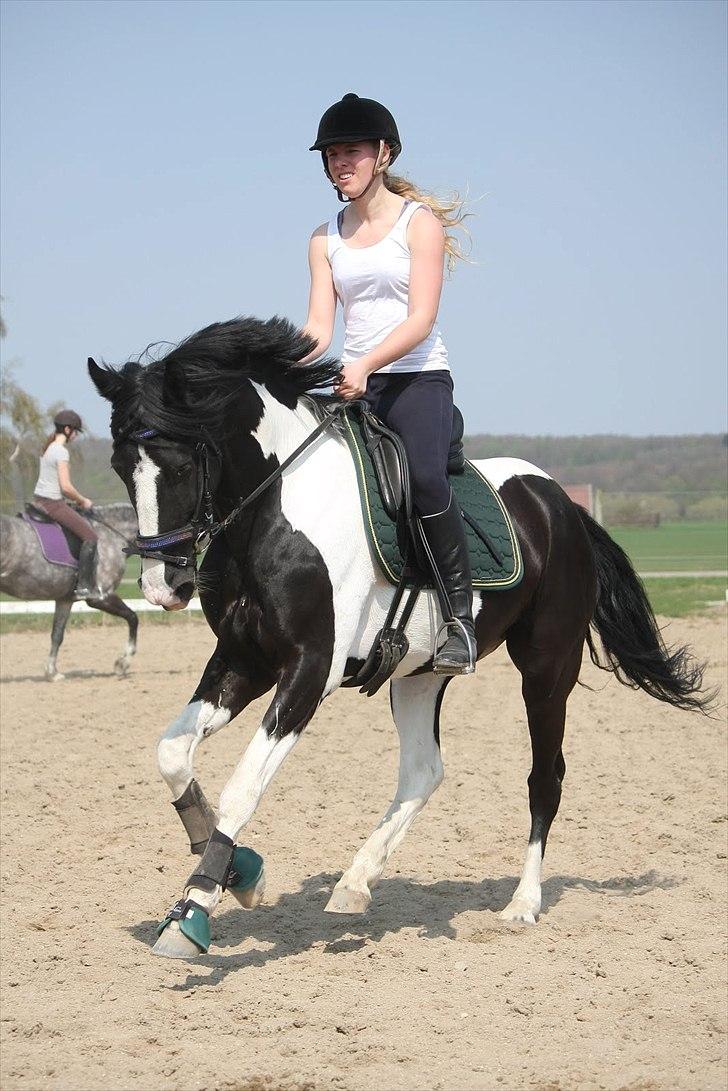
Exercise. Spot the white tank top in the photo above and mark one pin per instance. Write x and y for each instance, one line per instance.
(372, 283)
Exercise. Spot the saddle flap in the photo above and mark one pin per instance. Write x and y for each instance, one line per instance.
(37, 514)
(389, 460)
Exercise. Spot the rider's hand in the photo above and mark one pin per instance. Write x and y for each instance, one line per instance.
(353, 381)
(86, 504)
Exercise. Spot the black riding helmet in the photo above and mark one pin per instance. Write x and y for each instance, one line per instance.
(353, 119)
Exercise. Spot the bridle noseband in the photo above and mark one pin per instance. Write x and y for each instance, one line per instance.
(202, 527)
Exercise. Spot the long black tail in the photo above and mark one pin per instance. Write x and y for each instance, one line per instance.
(634, 649)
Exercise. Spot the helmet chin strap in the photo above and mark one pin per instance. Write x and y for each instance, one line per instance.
(379, 168)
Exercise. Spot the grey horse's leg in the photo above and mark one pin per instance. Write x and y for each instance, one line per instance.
(112, 604)
(60, 620)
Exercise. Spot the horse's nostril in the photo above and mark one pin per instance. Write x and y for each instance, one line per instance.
(185, 591)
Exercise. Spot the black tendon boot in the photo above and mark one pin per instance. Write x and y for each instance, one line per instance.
(444, 540)
(86, 581)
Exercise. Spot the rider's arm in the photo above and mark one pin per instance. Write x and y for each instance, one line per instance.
(64, 480)
(426, 240)
(322, 298)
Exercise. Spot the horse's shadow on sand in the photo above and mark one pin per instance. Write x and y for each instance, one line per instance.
(85, 673)
(297, 922)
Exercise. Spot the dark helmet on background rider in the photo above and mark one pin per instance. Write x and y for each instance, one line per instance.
(354, 119)
(67, 419)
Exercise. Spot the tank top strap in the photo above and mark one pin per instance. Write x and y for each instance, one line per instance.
(333, 238)
(399, 231)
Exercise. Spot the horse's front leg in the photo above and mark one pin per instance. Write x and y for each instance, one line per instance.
(185, 932)
(416, 709)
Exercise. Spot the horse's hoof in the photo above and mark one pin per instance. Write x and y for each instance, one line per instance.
(251, 896)
(55, 677)
(519, 912)
(172, 943)
(121, 667)
(348, 901)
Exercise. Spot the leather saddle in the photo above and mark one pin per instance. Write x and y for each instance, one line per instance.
(391, 469)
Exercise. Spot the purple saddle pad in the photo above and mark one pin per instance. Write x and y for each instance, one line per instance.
(52, 542)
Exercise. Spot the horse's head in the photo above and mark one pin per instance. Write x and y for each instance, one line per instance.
(187, 422)
(170, 480)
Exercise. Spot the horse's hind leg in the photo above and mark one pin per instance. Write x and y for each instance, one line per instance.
(60, 620)
(548, 679)
(416, 709)
(112, 604)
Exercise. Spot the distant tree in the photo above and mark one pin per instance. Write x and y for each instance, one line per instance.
(24, 426)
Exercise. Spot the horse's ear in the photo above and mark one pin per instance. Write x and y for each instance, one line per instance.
(107, 381)
(174, 391)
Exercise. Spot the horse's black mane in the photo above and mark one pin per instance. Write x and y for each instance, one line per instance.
(195, 384)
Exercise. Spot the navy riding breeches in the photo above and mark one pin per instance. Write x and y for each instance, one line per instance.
(418, 407)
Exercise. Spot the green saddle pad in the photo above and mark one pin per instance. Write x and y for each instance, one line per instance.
(475, 495)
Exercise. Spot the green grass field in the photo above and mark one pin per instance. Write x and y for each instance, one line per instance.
(675, 547)
(679, 547)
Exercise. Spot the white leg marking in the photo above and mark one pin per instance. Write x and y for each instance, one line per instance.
(178, 743)
(251, 777)
(414, 701)
(525, 905)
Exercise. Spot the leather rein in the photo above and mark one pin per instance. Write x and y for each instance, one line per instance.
(202, 528)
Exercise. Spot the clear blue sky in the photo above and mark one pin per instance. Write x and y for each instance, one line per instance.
(156, 178)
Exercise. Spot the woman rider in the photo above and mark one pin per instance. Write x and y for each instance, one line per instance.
(382, 256)
(54, 482)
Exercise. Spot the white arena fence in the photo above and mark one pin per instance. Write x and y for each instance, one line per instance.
(47, 606)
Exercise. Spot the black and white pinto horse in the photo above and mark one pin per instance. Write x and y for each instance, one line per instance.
(26, 574)
(295, 598)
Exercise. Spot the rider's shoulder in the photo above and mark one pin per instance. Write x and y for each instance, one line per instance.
(424, 224)
(321, 232)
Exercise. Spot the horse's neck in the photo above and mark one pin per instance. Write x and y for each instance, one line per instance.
(281, 429)
(119, 516)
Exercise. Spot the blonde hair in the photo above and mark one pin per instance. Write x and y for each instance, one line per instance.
(451, 214)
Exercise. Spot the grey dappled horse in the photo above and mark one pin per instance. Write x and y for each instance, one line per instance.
(26, 574)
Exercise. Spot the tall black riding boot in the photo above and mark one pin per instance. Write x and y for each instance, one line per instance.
(444, 540)
(86, 580)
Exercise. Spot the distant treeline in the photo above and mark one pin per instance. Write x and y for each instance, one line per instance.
(675, 477)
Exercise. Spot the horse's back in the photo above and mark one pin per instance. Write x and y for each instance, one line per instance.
(24, 571)
(503, 468)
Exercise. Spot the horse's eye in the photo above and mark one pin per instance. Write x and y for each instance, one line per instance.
(184, 471)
